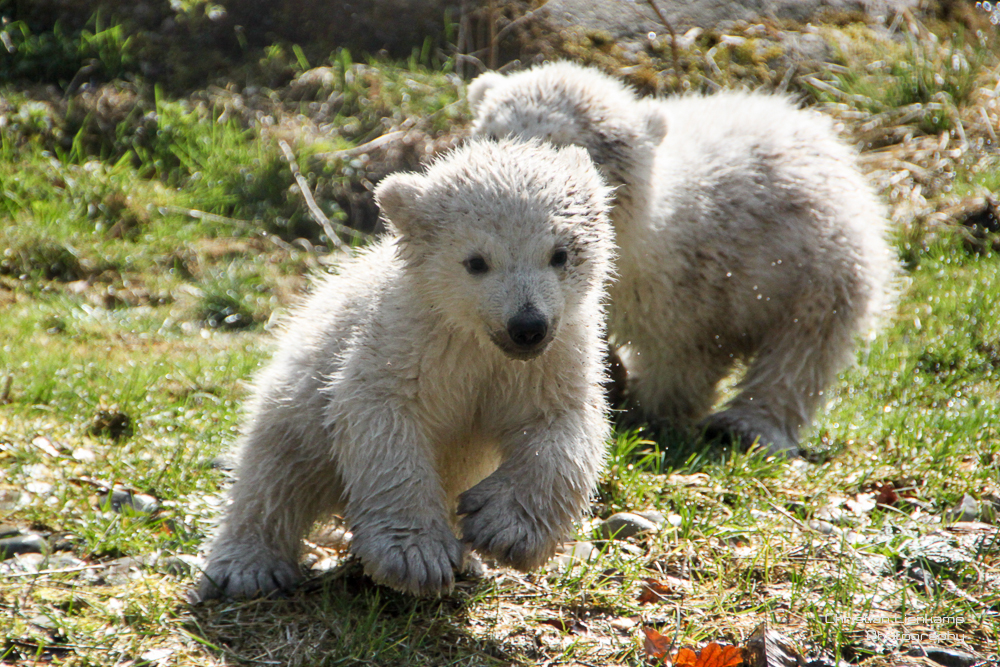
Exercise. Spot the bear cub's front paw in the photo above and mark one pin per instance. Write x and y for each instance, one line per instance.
(496, 523)
(246, 573)
(415, 559)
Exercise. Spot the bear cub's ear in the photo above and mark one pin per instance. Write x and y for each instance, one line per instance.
(655, 120)
(398, 197)
(480, 86)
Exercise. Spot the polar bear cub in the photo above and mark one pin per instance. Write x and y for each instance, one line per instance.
(745, 233)
(452, 370)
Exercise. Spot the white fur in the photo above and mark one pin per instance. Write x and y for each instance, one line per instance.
(745, 232)
(391, 402)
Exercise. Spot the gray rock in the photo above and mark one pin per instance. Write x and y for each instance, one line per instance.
(571, 553)
(934, 552)
(32, 543)
(967, 509)
(824, 527)
(655, 516)
(948, 657)
(120, 500)
(625, 524)
(634, 18)
(923, 577)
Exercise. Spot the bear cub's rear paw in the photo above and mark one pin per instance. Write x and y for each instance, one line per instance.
(743, 432)
(497, 524)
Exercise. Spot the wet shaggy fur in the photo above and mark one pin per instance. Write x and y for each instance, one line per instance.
(443, 390)
(745, 233)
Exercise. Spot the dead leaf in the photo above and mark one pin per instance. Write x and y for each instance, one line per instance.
(713, 655)
(655, 644)
(685, 657)
(573, 627)
(654, 590)
(885, 495)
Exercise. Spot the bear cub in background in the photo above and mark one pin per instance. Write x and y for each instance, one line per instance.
(745, 234)
(443, 390)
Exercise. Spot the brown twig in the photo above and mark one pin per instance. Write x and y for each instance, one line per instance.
(524, 18)
(330, 228)
(377, 142)
(493, 33)
(462, 38)
(673, 37)
(8, 380)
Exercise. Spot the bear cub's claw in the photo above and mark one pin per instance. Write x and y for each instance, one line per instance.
(247, 578)
(416, 561)
(496, 523)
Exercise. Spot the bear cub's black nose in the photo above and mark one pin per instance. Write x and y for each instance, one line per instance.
(528, 328)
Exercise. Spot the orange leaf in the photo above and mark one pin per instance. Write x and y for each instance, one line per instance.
(653, 590)
(714, 655)
(685, 657)
(655, 644)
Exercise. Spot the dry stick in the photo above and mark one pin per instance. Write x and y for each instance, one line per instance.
(377, 142)
(39, 573)
(787, 78)
(673, 37)
(463, 29)
(8, 380)
(493, 34)
(465, 58)
(989, 125)
(316, 211)
(524, 18)
(204, 215)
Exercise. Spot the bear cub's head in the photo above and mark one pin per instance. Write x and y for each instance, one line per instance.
(567, 104)
(507, 241)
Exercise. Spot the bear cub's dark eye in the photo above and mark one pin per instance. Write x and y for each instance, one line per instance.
(476, 265)
(559, 259)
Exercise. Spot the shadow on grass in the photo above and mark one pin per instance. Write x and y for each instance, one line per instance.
(342, 617)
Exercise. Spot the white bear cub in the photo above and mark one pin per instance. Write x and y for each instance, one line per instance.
(745, 233)
(447, 378)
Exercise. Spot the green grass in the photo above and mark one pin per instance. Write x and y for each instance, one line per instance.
(142, 260)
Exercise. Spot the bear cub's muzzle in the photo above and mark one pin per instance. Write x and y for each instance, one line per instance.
(528, 333)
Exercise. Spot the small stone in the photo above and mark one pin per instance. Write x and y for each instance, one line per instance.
(45, 445)
(934, 552)
(63, 562)
(923, 577)
(966, 510)
(625, 524)
(123, 570)
(655, 516)
(824, 527)
(137, 503)
(948, 657)
(572, 553)
(623, 624)
(31, 543)
(156, 655)
(84, 455)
